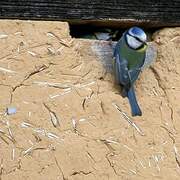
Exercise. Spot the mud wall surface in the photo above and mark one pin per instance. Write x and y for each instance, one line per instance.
(66, 126)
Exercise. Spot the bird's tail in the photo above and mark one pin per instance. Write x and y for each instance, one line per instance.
(135, 109)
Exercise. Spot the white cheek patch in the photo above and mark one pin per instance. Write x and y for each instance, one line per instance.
(132, 42)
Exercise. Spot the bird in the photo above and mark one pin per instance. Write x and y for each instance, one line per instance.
(130, 57)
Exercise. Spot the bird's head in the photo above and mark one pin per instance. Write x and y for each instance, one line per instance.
(136, 38)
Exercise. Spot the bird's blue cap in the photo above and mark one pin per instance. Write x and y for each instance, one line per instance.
(138, 32)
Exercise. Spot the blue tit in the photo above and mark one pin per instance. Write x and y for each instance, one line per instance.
(129, 58)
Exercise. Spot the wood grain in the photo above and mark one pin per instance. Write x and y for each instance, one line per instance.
(106, 12)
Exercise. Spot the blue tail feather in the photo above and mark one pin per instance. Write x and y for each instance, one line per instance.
(135, 109)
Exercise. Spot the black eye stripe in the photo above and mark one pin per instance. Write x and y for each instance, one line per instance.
(135, 37)
(143, 43)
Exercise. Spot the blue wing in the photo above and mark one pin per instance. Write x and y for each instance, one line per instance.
(123, 75)
(121, 68)
(126, 78)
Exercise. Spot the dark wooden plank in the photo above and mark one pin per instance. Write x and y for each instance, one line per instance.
(108, 12)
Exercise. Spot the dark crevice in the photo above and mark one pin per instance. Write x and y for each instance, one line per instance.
(107, 33)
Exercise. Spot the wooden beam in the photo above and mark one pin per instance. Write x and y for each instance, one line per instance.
(151, 13)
